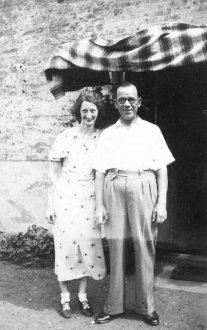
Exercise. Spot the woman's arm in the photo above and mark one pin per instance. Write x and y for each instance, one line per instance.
(101, 215)
(54, 172)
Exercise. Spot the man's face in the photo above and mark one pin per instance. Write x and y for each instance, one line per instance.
(127, 103)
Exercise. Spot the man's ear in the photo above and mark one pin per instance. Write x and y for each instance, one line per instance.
(115, 103)
(139, 100)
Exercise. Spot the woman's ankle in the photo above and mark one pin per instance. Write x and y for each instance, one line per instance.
(82, 296)
(64, 297)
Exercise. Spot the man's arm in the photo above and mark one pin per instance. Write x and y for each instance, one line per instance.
(101, 215)
(159, 214)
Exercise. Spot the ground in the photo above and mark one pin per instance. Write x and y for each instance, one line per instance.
(29, 299)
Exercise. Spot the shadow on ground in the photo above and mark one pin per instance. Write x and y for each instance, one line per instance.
(29, 299)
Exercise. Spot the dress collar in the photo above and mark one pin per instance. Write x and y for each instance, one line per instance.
(77, 134)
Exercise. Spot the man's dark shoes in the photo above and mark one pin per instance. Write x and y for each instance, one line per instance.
(65, 310)
(151, 319)
(86, 308)
(103, 317)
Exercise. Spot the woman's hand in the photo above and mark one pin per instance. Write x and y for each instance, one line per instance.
(53, 175)
(50, 215)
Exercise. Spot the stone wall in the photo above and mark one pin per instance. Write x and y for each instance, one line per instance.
(30, 117)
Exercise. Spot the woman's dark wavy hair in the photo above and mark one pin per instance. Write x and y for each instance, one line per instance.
(107, 113)
(88, 96)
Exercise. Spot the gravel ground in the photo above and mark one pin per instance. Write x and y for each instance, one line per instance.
(29, 299)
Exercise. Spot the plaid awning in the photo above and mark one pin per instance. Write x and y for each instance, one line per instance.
(88, 62)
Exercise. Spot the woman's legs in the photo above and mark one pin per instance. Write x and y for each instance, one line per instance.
(83, 285)
(63, 286)
(82, 292)
(82, 296)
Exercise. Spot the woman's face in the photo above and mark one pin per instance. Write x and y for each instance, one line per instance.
(89, 113)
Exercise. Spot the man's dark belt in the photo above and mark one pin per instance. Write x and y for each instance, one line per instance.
(126, 173)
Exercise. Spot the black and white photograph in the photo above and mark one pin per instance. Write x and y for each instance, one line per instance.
(103, 164)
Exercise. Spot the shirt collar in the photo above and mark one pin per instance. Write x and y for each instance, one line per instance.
(120, 124)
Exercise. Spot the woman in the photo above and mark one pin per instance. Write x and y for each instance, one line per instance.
(77, 239)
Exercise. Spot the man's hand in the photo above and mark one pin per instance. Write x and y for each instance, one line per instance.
(101, 215)
(50, 215)
(159, 214)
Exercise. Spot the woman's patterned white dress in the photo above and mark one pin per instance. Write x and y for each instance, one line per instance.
(77, 239)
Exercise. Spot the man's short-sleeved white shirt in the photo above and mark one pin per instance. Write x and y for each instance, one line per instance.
(139, 146)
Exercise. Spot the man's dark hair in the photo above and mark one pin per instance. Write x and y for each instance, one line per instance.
(125, 84)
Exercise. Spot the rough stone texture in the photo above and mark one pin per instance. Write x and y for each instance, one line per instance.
(29, 32)
(23, 199)
(30, 117)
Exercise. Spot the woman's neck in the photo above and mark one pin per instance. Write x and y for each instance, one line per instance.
(85, 130)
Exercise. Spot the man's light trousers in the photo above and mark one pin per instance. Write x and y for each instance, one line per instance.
(130, 200)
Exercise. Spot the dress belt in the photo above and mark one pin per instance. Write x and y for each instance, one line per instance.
(76, 176)
(126, 173)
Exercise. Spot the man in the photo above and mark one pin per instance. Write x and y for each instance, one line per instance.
(131, 189)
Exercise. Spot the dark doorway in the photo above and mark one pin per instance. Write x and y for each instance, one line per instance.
(176, 100)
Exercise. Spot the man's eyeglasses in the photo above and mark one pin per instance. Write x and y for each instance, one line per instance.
(131, 100)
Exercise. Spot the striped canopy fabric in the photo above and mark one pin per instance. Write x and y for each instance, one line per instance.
(88, 62)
